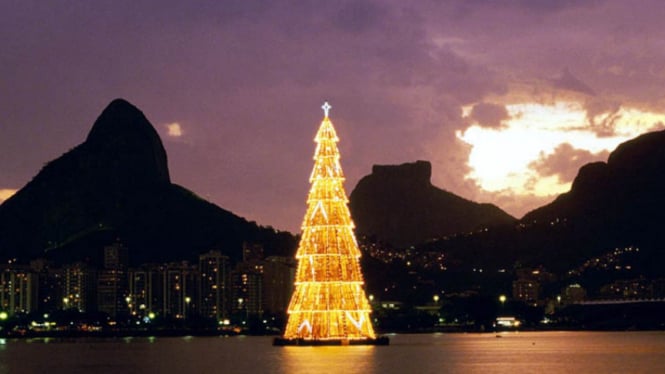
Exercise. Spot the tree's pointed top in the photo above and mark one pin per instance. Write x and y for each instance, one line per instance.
(326, 131)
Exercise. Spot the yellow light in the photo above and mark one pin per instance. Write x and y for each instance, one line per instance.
(328, 301)
(3, 316)
(502, 159)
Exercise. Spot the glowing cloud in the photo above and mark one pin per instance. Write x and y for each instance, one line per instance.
(565, 161)
(174, 129)
(6, 193)
(488, 115)
(525, 155)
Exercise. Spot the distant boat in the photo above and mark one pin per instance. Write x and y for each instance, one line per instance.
(507, 323)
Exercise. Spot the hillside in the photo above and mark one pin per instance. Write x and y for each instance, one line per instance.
(611, 205)
(116, 184)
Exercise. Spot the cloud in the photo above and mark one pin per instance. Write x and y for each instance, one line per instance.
(357, 16)
(567, 81)
(252, 75)
(6, 193)
(531, 6)
(489, 115)
(174, 129)
(565, 161)
(602, 116)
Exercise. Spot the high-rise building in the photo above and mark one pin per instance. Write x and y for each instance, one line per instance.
(213, 293)
(112, 289)
(573, 293)
(180, 285)
(116, 256)
(278, 277)
(79, 287)
(247, 290)
(145, 290)
(50, 289)
(252, 252)
(526, 290)
(18, 289)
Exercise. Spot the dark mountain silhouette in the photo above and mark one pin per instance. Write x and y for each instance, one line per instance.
(611, 205)
(627, 191)
(605, 233)
(399, 205)
(620, 202)
(116, 185)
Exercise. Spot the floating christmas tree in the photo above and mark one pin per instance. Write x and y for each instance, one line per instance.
(328, 305)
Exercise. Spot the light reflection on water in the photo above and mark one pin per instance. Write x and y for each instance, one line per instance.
(532, 352)
(349, 359)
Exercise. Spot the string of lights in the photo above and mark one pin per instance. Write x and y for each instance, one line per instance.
(328, 302)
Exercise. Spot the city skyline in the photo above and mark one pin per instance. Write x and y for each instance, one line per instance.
(234, 90)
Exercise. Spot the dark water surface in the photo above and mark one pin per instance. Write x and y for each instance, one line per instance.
(524, 352)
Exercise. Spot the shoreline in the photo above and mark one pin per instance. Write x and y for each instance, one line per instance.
(212, 333)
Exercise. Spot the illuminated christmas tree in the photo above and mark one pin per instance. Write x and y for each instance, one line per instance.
(328, 303)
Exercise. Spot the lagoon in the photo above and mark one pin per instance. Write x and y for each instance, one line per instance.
(509, 352)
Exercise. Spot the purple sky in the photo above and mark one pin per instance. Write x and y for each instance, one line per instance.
(245, 80)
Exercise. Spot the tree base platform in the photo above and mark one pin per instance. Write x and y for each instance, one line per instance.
(381, 340)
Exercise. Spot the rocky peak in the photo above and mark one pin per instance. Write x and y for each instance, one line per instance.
(399, 205)
(417, 173)
(124, 134)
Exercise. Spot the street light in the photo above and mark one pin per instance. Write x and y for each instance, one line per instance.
(187, 301)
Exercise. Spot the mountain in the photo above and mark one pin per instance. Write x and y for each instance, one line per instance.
(626, 191)
(619, 202)
(399, 205)
(611, 206)
(116, 185)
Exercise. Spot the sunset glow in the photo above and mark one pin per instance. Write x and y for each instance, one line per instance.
(506, 157)
(6, 193)
(505, 99)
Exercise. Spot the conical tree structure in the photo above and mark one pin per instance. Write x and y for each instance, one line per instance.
(328, 302)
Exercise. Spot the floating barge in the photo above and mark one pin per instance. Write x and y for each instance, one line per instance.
(281, 342)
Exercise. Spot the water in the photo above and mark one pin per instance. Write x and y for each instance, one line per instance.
(525, 352)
